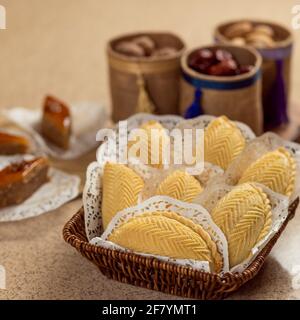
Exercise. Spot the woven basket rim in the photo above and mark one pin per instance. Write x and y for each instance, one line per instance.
(279, 44)
(228, 277)
(236, 78)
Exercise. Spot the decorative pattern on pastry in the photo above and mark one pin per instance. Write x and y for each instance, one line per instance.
(244, 215)
(12, 144)
(121, 188)
(275, 169)
(56, 122)
(151, 146)
(19, 181)
(168, 234)
(223, 142)
(180, 185)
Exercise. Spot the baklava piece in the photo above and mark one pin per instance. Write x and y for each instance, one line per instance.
(56, 122)
(19, 181)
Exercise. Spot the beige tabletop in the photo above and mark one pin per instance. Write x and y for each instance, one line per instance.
(57, 47)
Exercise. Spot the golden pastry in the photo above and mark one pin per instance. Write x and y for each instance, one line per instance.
(180, 185)
(121, 188)
(275, 169)
(168, 234)
(151, 145)
(223, 142)
(244, 215)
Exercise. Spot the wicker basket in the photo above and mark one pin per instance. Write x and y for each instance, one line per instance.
(164, 276)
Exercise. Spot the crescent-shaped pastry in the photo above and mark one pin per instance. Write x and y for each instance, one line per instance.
(275, 169)
(151, 144)
(223, 142)
(168, 234)
(121, 188)
(180, 185)
(244, 215)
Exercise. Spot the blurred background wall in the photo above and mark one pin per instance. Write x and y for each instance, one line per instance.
(58, 46)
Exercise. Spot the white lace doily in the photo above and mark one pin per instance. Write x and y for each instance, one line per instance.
(92, 200)
(212, 180)
(153, 177)
(87, 119)
(166, 204)
(106, 151)
(61, 188)
(7, 160)
(203, 121)
(92, 192)
(279, 207)
(256, 149)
